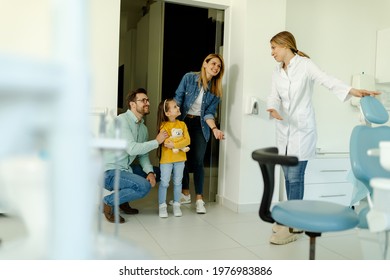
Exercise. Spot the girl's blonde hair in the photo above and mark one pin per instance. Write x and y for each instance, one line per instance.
(163, 107)
(216, 81)
(285, 38)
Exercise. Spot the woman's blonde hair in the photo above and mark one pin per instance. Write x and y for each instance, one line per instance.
(216, 81)
(285, 38)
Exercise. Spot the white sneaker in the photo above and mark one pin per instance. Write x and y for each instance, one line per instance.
(162, 210)
(277, 227)
(200, 209)
(184, 199)
(176, 209)
(283, 236)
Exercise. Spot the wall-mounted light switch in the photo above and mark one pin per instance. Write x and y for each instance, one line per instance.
(253, 106)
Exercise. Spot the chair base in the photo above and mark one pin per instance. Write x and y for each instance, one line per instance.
(312, 247)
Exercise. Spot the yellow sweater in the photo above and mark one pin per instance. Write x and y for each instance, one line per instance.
(178, 134)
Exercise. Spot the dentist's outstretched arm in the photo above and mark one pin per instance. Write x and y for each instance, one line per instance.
(275, 114)
(363, 92)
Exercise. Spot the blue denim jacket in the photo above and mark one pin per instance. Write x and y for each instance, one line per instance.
(186, 94)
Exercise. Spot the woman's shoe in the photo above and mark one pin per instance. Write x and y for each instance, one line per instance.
(283, 236)
(200, 209)
(277, 227)
(184, 199)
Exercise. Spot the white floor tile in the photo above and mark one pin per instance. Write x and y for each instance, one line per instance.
(240, 253)
(247, 233)
(192, 239)
(221, 234)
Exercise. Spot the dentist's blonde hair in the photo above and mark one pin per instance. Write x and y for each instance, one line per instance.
(286, 39)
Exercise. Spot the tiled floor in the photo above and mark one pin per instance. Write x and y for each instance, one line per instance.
(221, 234)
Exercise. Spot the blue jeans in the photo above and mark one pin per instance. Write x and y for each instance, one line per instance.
(166, 171)
(195, 156)
(295, 180)
(132, 186)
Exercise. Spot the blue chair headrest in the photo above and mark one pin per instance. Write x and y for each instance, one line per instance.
(373, 110)
(365, 167)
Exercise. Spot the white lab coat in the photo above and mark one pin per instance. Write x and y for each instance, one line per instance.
(291, 96)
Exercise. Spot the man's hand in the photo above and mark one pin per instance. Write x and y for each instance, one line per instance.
(161, 136)
(151, 178)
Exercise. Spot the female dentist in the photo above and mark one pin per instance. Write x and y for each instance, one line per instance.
(290, 103)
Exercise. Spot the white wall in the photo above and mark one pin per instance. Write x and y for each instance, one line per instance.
(26, 28)
(340, 37)
(251, 23)
(104, 46)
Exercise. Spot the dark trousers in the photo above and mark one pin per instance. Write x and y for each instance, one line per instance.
(195, 156)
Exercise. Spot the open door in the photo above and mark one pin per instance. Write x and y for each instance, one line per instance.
(172, 40)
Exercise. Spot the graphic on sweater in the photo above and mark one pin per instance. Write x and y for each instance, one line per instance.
(177, 135)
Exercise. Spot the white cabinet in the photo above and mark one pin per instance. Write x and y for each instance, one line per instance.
(326, 179)
(382, 73)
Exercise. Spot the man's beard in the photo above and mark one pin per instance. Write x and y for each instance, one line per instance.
(143, 111)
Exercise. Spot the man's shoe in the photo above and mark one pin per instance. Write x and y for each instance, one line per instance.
(125, 207)
(283, 236)
(109, 214)
(200, 209)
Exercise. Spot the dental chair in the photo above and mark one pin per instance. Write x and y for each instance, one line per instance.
(366, 167)
(313, 217)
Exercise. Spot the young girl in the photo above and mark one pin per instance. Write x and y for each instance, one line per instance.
(173, 154)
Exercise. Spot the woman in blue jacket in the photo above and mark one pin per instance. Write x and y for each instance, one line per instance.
(198, 96)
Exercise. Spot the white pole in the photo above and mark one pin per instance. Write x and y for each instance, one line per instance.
(73, 193)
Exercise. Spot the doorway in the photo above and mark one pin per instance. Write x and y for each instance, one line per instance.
(189, 34)
(199, 33)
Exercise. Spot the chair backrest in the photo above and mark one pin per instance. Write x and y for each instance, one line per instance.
(373, 110)
(364, 138)
(267, 159)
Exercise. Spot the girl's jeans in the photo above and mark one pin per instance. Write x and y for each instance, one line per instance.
(166, 170)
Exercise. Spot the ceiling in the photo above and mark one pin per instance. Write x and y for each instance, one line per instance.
(135, 5)
(133, 9)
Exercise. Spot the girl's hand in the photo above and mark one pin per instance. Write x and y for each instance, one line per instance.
(168, 144)
(275, 114)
